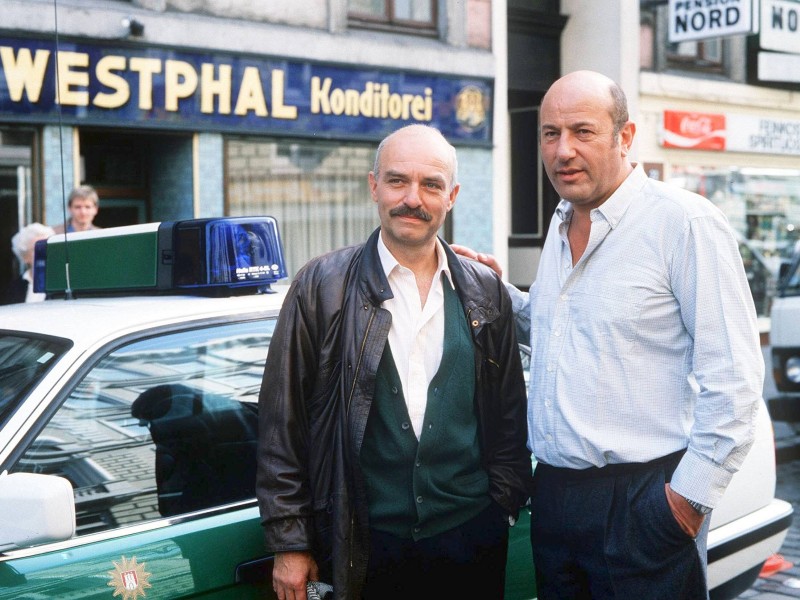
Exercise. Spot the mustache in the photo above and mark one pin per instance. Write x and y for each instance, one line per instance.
(406, 211)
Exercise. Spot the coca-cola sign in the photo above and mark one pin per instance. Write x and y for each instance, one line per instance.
(696, 131)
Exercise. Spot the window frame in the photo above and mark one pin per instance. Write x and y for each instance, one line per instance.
(388, 22)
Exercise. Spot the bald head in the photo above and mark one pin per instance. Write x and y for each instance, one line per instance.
(432, 138)
(585, 138)
(591, 86)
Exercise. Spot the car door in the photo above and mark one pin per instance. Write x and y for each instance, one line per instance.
(158, 440)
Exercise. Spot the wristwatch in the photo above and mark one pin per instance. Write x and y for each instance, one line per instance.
(701, 509)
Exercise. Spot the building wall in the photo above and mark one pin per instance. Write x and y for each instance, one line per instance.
(472, 221)
(604, 37)
(104, 19)
(661, 92)
(308, 30)
(58, 168)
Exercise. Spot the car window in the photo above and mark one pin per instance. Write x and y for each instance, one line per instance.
(24, 360)
(159, 427)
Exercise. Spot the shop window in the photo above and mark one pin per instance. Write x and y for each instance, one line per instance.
(409, 16)
(316, 190)
(712, 56)
(763, 206)
(702, 55)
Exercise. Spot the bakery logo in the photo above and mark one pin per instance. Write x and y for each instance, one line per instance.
(471, 108)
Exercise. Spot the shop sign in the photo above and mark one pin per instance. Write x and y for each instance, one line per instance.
(778, 66)
(697, 131)
(730, 133)
(706, 19)
(92, 84)
(780, 26)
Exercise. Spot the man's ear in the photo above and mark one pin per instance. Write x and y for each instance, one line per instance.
(452, 201)
(373, 186)
(626, 136)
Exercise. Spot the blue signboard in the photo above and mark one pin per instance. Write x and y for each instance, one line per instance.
(84, 83)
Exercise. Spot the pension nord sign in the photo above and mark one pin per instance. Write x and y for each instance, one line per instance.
(704, 19)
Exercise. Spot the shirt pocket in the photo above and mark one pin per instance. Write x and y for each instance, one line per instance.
(606, 320)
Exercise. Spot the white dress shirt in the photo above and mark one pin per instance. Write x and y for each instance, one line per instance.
(416, 336)
(648, 344)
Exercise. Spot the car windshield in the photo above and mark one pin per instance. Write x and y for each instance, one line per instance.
(24, 360)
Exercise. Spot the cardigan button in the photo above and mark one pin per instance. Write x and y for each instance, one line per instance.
(419, 499)
(405, 425)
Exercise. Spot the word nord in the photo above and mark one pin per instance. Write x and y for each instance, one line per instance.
(714, 19)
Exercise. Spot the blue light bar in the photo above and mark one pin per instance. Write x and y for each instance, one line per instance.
(203, 256)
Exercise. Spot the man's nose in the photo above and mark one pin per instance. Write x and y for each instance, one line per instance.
(566, 147)
(413, 195)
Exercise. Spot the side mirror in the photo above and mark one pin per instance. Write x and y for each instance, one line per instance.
(35, 509)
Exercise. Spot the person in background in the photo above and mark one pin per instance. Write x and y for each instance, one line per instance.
(646, 365)
(392, 445)
(22, 244)
(83, 205)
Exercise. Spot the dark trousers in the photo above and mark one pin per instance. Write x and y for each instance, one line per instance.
(608, 533)
(466, 562)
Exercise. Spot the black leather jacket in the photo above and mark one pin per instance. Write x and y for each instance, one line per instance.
(318, 385)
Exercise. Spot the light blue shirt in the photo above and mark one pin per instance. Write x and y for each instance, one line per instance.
(649, 344)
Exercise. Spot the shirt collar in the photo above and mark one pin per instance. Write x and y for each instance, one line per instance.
(389, 262)
(617, 204)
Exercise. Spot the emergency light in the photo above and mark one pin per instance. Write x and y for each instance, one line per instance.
(214, 256)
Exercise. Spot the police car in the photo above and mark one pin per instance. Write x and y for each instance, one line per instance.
(128, 424)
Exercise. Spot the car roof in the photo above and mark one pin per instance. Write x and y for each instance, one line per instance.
(88, 320)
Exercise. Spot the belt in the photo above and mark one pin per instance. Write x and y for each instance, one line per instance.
(611, 470)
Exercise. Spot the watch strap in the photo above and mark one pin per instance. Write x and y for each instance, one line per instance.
(700, 508)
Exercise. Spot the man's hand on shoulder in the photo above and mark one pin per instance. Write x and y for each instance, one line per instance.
(487, 259)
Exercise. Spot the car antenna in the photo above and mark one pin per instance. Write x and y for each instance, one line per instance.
(68, 291)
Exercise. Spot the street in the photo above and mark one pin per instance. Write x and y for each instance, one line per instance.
(784, 583)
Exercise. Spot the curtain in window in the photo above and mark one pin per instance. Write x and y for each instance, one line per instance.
(316, 190)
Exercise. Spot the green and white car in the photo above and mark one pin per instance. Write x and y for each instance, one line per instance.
(128, 424)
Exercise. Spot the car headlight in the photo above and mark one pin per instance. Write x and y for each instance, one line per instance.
(792, 369)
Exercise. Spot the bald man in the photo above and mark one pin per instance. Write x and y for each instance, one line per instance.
(392, 456)
(646, 365)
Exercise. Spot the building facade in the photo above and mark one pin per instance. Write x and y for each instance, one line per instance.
(177, 109)
(718, 115)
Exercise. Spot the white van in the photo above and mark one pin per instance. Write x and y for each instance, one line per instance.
(785, 342)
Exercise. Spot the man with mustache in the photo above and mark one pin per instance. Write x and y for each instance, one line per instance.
(646, 365)
(392, 455)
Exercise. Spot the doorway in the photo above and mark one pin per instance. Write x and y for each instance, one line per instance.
(139, 177)
(16, 195)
